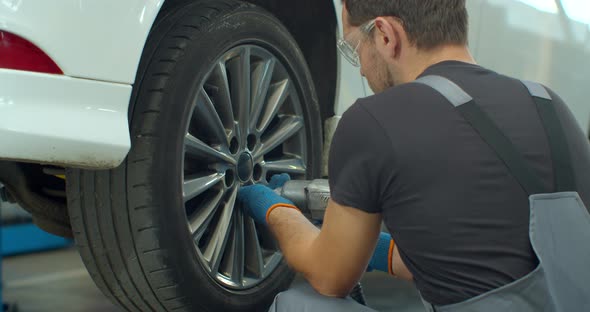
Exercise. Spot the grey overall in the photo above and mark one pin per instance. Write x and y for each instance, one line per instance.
(559, 225)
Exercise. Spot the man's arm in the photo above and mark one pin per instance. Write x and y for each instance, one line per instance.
(333, 259)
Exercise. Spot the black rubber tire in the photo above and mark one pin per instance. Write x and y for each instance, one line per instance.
(135, 245)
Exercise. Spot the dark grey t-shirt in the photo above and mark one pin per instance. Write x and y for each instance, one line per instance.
(459, 218)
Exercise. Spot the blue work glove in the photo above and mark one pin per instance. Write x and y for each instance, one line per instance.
(258, 200)
(278, 180)
(382, 259)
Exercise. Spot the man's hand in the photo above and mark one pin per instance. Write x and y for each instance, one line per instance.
(258, 200)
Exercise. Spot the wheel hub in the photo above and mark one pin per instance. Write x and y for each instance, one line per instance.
(245, 167)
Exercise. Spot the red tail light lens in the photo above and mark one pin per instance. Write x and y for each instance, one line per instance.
(18, 53)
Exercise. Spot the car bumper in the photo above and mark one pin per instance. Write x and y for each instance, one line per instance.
(62, 120)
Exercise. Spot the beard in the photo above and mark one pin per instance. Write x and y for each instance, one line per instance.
(382, 81)
(379, 76)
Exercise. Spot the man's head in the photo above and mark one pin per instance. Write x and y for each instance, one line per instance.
(396, 39)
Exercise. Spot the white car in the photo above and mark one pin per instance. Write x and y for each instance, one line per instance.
(154, 113)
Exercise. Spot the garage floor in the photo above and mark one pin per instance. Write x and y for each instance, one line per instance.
(57, 281)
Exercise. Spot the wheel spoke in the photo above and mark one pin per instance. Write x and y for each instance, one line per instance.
(293, 165)
(261, 78)
(278, 94)
(240, 76)
(288, 127)
(195, 186)
(199, 221)
(206, 114)
(235, 256)
(253, 260)
(196, 147)
(216, 246)
(223, 99)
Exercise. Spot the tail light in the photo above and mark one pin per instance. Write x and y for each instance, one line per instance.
(20, 54)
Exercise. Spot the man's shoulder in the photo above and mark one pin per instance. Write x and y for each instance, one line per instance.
(396, 101)
(404, 91)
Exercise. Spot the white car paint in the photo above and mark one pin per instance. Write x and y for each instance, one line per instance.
(100, 40)
(63, 120)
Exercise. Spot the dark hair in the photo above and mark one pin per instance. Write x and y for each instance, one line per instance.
(428, 23)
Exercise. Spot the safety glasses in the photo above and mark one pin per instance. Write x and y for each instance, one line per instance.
(349, 47)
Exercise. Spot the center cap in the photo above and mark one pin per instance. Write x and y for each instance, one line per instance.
(245, 167)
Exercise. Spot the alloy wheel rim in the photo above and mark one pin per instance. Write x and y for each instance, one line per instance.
(245, 125)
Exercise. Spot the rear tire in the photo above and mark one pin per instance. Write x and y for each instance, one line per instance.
(131, 224)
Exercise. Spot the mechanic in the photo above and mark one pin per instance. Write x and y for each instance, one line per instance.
(457, 207)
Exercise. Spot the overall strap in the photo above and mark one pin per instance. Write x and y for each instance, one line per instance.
(560, 152)
(488, 131)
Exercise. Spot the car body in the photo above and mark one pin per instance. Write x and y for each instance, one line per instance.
(81, 97)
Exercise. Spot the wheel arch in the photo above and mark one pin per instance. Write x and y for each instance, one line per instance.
(314, 25)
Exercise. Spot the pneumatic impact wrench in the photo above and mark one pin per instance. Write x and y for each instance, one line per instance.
(312, 197)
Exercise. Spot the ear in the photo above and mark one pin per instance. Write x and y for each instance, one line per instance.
(390, 37)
